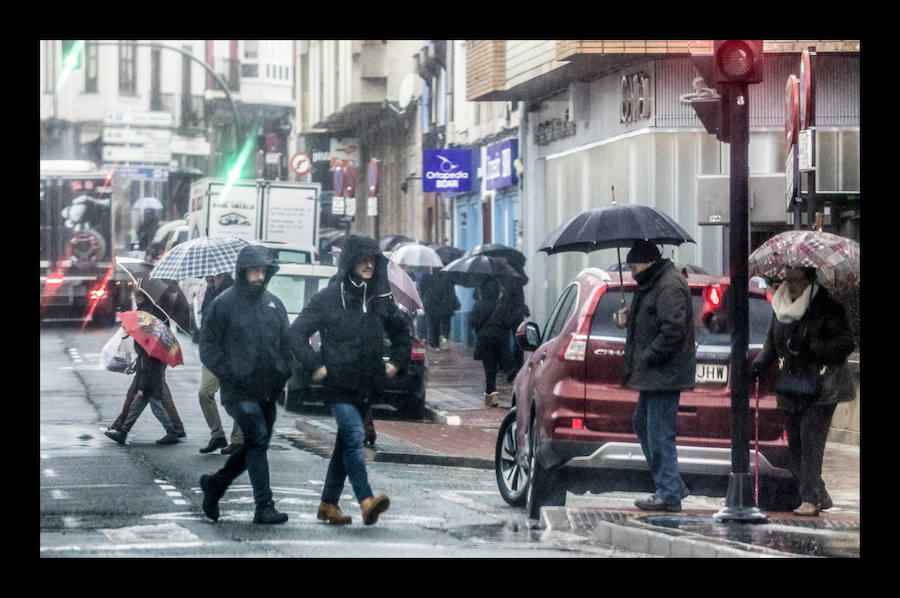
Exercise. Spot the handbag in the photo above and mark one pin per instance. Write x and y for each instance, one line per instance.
(118, 353)
(798, 385)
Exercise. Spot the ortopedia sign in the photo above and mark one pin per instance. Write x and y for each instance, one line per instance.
(446, 170)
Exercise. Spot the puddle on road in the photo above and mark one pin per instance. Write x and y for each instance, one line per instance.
(506, 532)
(788, 536)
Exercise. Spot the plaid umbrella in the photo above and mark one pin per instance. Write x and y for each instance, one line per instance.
(835, 258)
(205, 256)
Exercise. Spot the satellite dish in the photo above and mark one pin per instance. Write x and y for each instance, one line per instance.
(407, 88)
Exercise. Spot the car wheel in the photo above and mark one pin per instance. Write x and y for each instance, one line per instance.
(512, 478)
(547, 487)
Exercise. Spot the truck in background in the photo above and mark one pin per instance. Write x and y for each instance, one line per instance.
(255, 210)
(77, 243)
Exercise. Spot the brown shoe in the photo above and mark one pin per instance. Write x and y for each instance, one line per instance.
(491, 400)
(807, 509)
(332, 514)
(230, 449)
(373, 507)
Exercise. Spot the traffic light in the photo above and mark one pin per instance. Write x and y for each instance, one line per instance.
(72, 50)
(738, 60)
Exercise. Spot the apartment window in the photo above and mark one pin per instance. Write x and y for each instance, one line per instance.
(127, 68)
(251, 49)
(155, 78)
(91, 67)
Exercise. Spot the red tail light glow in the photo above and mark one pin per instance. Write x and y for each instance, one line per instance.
(418, 351)
(575, 349)
(577, 423)
(714, 295)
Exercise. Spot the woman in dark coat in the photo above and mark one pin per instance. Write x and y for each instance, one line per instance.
(491, 318)
(352, 316)
(809, 334)
(440, 302)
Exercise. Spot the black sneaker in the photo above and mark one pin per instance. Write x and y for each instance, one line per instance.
(230, 449)
(168, 439)
(655, 503)
(117, 435)
(267, 514)
(214, 444)
(210, 497)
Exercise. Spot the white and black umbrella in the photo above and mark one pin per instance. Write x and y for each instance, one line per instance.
(413, 254)
(204, 256)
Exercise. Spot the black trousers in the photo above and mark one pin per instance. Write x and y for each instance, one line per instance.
(807, 432)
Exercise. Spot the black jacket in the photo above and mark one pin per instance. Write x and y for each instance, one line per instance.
(821, 338)
(149, 371)
(439, 295)
(491, 318)
(243, 340)
(352, 321)
(660, 354)
(210, 295)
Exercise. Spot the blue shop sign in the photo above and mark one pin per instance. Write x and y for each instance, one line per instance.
(499, 171)
(446, 170)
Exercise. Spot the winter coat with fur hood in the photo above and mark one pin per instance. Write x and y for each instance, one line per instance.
(352, 318)
(243, 340)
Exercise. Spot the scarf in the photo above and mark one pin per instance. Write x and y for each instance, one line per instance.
(788, 311)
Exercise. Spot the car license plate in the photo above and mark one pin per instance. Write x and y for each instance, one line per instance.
(712, 373)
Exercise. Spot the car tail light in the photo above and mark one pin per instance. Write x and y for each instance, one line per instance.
(713, 295)
(577, 423)
(575, 349)
(418, 351)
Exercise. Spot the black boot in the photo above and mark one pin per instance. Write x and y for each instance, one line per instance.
(211, 496)
(267, 514)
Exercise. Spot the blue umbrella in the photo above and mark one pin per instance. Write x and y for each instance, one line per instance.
(204, 256)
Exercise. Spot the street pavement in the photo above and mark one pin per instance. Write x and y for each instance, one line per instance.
(461, 432)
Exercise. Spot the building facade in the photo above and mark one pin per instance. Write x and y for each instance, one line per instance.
(605, 120)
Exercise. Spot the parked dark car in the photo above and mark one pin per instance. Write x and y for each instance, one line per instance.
(570, 428)
(404, 392)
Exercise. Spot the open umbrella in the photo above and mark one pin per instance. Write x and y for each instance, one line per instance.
(447, 253)
(515, 257)
(147, 203)
(413, 254)
(835, 258)
(156, 338)
(471, 271)
(389, 242)
(204, 256)
(169, 297)
(131, 268)
(615, 226)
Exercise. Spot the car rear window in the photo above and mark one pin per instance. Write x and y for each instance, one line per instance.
(760, 317)
(287, 256)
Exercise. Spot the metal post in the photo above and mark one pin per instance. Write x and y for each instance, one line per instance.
(739, 505)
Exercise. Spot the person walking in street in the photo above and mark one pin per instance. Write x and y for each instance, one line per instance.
(209, 384)
(440, 302)
(147, 387)
(809, 336)
(491, 318)
(244, 343)
(352, 315)
(660, 362)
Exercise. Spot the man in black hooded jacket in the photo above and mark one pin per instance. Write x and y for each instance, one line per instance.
(243, 342)
(352, 316)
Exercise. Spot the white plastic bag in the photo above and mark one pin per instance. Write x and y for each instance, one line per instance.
(118, 353)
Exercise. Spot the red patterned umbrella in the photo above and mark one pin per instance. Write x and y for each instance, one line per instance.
(835, 258)
(155, 337)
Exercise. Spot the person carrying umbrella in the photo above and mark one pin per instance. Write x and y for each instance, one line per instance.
(660, 362)
(441, 302)
(149, 385)
(810, 338)
(491, 318)
(244, 343)
(352, 316)
(168, 404)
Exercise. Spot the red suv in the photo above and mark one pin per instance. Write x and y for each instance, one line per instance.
(570, 427)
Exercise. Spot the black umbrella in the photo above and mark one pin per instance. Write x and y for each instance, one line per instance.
(447, 253)
(615, 226)
(515, 257)
(388, 242)
(169, 297)
(471, 271)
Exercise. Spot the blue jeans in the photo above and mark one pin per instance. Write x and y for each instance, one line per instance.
(655, 419)
(347, 457)
(257, 421)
